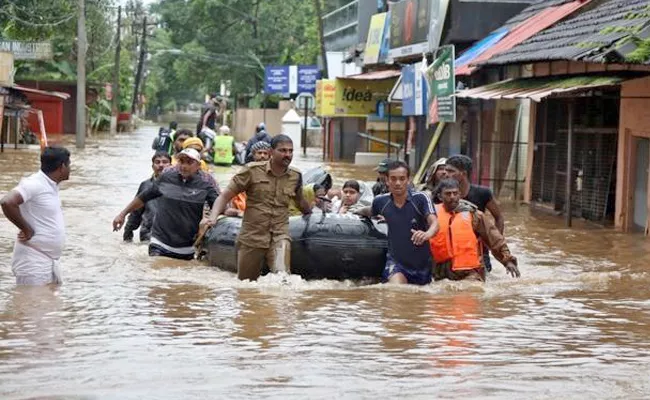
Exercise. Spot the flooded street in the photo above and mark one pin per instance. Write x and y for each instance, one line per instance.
(126, 326)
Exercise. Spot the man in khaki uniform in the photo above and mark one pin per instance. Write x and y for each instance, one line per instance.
(270, 187)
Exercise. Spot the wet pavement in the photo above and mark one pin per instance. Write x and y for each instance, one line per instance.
(126, 326)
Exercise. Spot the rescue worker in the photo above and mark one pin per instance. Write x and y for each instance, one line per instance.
(457, 248)
(179, 138)
(270, 187)
(411, 223)
(459, 167)
(224, 147)
(196, 144)
(143, 217)
(435, 175)
(182, 191)
(380, 186)
(237, 206)
(261, 151)
(260, 136)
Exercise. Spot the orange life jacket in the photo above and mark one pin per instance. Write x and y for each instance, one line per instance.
(239, 201)
(456, 240)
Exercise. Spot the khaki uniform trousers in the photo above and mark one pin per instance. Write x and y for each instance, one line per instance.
(250, 260)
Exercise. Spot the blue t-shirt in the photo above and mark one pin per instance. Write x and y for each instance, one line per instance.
(412, 215)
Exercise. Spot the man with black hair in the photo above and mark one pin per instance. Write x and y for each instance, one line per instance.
(411, 223)
(34, 207)
(270, 188)
(459, 167)
(143, 217)
(456, 247)
(182, 191)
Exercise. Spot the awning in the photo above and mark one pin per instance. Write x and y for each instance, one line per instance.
(527, 29)
(374, 75)
(60, 95)
(480, 47)
(537, 89)
(396, 94)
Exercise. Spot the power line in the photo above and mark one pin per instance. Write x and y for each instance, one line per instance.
(37, 25)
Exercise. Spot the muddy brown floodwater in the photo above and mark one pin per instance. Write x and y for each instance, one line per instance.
(126, 326)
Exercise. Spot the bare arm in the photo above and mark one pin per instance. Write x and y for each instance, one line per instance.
(220, 205)
(495, 210)
(10, 207)
(135, 204)
(364, 211)
(419, 237)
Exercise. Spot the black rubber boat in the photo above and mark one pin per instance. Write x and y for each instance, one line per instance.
(323, 246)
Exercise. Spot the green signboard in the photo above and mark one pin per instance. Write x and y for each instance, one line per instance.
(442, 85)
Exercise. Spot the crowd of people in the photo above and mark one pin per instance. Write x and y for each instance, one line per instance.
(438, 233)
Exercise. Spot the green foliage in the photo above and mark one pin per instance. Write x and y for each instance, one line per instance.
(232, 40)
(99, 114)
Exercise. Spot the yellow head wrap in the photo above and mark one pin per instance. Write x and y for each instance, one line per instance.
(193, 141)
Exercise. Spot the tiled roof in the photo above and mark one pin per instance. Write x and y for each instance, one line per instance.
(533, 9)
(584, 37)
(537, 89)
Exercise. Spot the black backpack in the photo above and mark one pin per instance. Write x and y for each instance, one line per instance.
(163, 141)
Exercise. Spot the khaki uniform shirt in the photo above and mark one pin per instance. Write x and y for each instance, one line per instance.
(266, 219)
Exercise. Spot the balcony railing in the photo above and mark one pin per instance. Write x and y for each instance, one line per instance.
(340, 27)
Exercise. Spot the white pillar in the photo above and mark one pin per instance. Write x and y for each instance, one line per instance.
(291, 127)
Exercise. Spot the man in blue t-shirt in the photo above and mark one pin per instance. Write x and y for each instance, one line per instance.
(411, 223)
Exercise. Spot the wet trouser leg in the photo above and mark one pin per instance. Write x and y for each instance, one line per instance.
(486, 259)
(250, 260)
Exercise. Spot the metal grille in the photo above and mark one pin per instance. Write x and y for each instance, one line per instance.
(593, 172)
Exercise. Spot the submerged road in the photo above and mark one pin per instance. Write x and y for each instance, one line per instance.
(126, 326)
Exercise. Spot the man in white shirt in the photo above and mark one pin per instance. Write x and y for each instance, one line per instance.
(34, 207)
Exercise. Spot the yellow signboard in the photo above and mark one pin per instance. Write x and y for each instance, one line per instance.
(375, 37)
(325, 97)
(359, 98)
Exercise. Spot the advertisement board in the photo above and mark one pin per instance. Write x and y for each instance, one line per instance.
(325, 97)
(357, 98)
(409, 27)
(375, 39)
(441, 80)
(414, 96)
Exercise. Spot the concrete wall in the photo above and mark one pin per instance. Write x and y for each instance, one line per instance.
(246, 119)
(634, 121)
(6, 68)
(345, 139)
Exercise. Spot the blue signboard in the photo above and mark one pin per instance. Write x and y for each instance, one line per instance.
(408, 90)
(276, 79)
(414, 95)
(307, 77)
(385, 44)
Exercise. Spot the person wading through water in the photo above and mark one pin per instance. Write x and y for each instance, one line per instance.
(182, 192)
(411, 223)
(459, 167)
(237, 206)
(456, 248)
(143, 217)
(34, 207)
(270, 187)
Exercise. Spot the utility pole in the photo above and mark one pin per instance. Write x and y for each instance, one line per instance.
(81, 76)
(321, 36)
(138, 76)
(115, 107)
